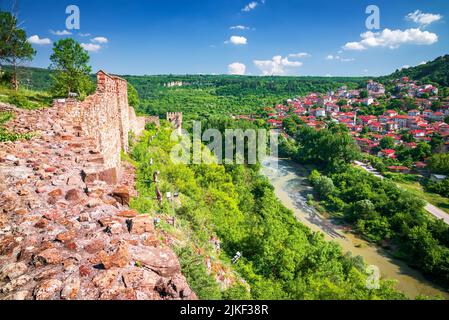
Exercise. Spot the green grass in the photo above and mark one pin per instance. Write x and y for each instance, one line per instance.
(416, 189)
(25, 99)
(5, 135)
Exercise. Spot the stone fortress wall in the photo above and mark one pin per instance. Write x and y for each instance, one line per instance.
(66, 229)
(106, 117)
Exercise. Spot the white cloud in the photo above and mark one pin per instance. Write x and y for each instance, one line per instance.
(237, 68)
(299, 55)
(422, 18)
(356, 46)
(239, 28)
(91, 47)
(405, 67)
(36, 40)
(61, 33)
(392, 39)
(100, 40)
(237, 40)
(250, 6)
(422, 63)
(332, 57)
(276, 66)
(84, 34)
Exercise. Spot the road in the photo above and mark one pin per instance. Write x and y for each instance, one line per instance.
(437, 212)
(430, 208)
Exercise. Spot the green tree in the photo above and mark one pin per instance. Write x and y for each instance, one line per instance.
(14, 47)
(439, 163)
(446, 119)
(422, 151)
(436, 105)
(364, 94)
(387, 143)
(342, 102)
(71, 63)
(408, 137)
(133, 96)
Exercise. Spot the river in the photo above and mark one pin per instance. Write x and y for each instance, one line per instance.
(291, 187)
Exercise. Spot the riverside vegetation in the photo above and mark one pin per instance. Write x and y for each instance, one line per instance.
(378, 209)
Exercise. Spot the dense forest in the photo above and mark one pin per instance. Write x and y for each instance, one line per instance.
(281, 258)
(200, 96)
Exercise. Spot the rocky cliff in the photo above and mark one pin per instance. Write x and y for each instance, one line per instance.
(66, 231)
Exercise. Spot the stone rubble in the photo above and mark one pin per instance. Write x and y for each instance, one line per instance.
(66, 235)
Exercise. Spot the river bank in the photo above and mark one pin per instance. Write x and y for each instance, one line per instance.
(291, 187)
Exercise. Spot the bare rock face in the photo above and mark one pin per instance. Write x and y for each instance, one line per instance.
(64, 234)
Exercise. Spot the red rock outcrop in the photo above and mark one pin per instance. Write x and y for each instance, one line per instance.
(66, 231)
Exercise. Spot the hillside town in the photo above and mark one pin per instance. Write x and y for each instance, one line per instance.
(422, 119)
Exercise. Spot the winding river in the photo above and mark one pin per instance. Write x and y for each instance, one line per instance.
(291, 187)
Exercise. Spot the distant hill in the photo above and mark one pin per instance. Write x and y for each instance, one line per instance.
(33, 78)
(436, 71)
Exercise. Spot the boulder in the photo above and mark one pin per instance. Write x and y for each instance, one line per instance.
(127, 214)
(12, 271)
(71, 288)
(106, 278)
(48, 256)
(120, 258)
(56, 193)
(66, 237)
(47, 289)
(162, 261)
(73, 195)
(142, 224)
(122, 195)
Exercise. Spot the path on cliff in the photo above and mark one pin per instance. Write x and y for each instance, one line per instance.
(64, 236)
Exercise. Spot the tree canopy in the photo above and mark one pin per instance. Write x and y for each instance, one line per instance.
(71, 63)
(14, 46)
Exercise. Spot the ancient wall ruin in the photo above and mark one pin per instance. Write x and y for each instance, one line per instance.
(175, 118)
(106, 117)
(66, 229)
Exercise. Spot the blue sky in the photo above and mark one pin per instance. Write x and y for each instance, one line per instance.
(194, 36)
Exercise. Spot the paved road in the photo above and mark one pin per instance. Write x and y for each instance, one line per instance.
(436, 212)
